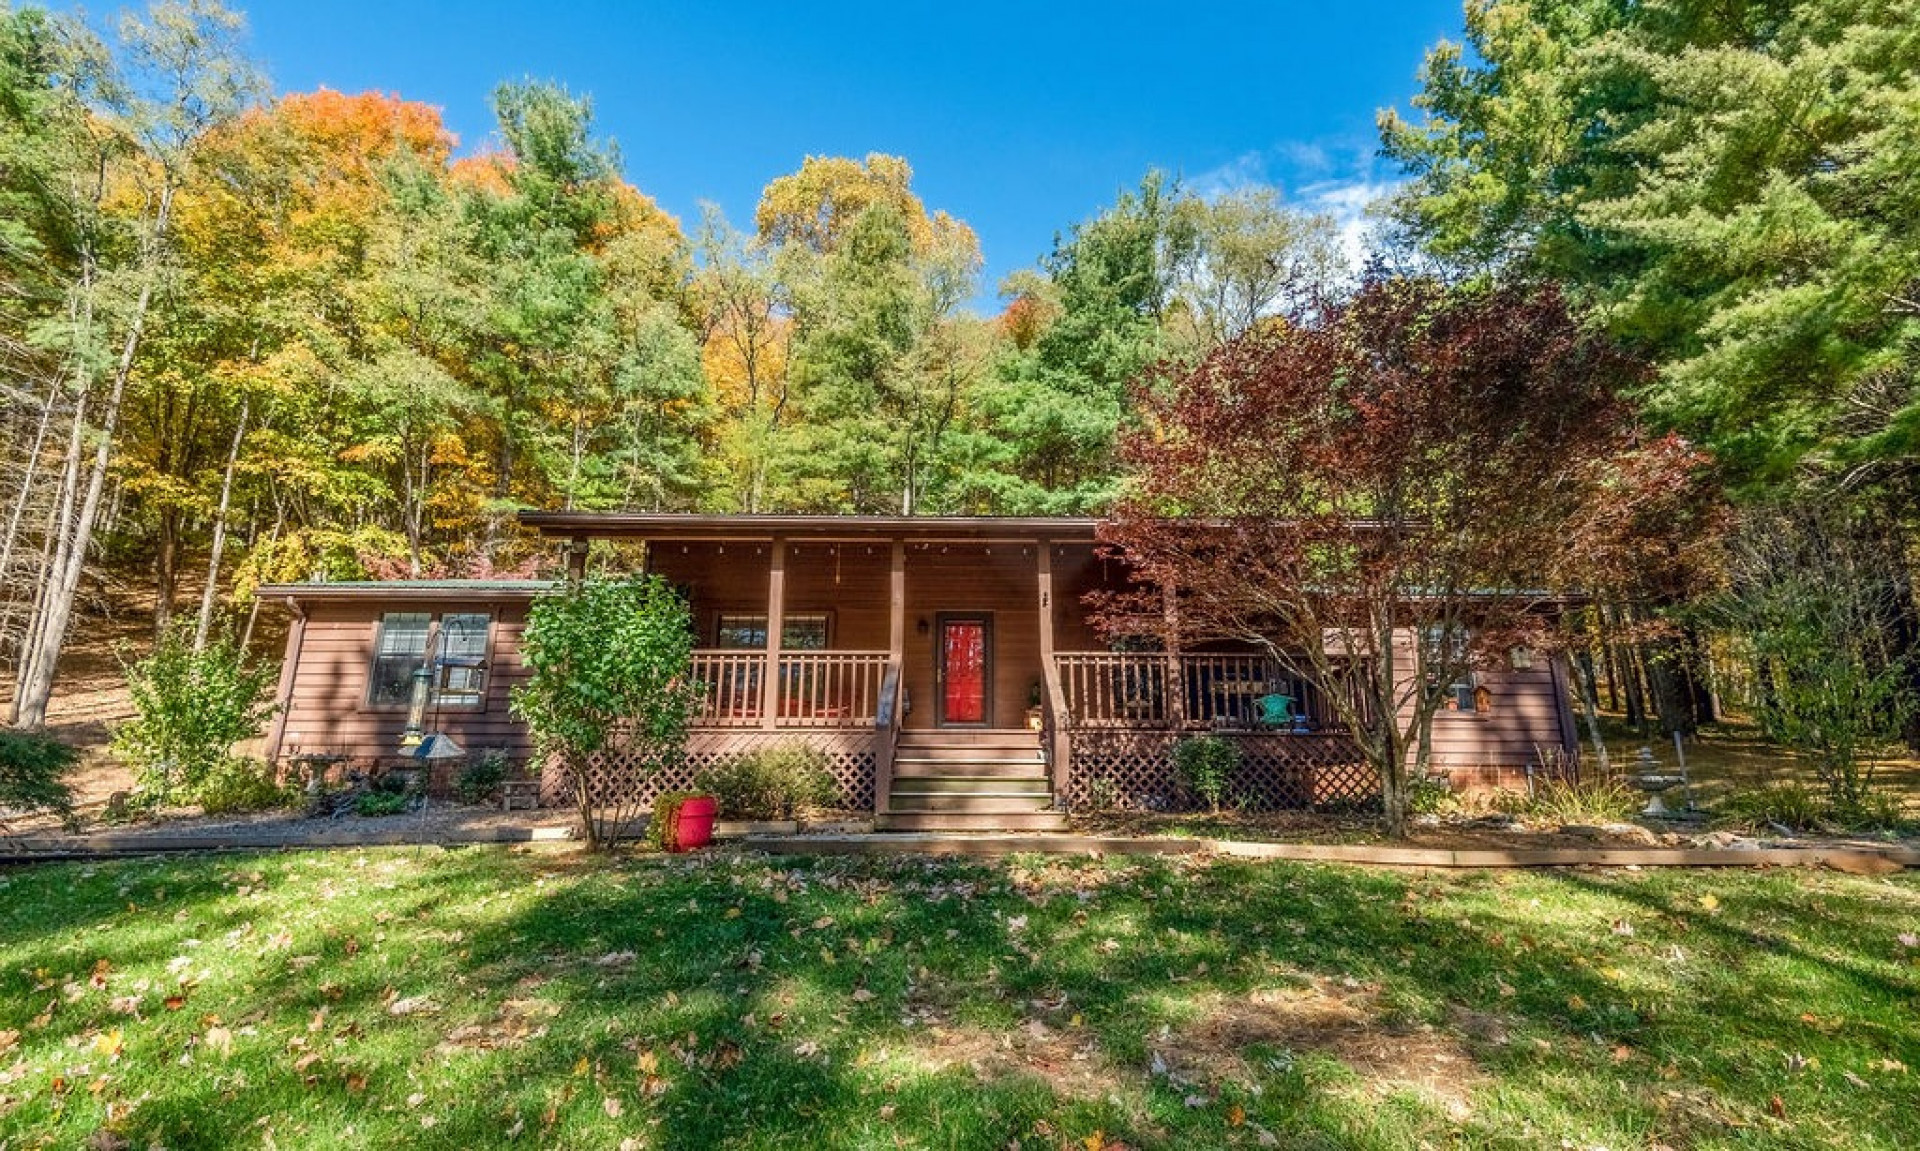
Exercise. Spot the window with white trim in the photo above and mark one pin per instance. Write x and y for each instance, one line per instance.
(452, 647)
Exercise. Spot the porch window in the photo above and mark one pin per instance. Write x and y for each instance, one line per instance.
(798, 632)
(458, 654)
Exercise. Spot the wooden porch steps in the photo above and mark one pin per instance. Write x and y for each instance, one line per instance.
(970, 780)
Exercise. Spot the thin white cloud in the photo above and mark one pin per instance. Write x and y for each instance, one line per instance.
(1337, 178)
(1354, 205)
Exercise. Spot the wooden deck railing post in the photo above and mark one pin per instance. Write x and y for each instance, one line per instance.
(1174, 698)
(776, 623)
(888, 735)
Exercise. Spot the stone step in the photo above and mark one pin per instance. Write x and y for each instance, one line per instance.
(973, 785)
(972, 821)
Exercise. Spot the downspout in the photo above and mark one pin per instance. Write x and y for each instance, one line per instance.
(289, 673)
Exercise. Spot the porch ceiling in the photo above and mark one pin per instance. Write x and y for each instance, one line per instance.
(854, 529)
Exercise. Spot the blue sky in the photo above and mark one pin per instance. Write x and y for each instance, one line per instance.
(1020, 118)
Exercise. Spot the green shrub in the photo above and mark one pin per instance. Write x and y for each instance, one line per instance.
(1799, 807)
(371, 803)
(190, 709)
(1430, 795)
(607, 665)
(239, 785)
(773, 783)
(1876, 811)
(1206, 763)
(481, 778)
(31, 767)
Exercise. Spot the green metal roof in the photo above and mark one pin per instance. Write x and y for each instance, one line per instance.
(408, 588)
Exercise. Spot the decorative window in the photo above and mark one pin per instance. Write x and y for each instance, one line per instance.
(798, 632)
(453, 647)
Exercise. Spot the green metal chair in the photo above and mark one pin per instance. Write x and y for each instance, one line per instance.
(1274, 711)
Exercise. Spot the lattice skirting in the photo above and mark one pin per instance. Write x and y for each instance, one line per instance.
(1134, 769)
(850, 757)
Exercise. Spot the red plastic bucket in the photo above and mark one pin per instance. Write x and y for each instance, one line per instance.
(694, 827)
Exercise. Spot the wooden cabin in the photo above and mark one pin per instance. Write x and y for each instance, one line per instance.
(946, 666)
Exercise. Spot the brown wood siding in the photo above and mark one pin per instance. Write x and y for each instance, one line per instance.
(1526, 718)
(1079, 571)
(1001, 581)
(328, 713)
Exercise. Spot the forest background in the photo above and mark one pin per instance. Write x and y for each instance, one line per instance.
(249, 338)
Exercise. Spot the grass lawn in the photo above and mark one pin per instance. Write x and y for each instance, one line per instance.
(488, 996)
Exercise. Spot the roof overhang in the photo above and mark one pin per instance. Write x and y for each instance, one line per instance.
(679, 528)
(414, 591)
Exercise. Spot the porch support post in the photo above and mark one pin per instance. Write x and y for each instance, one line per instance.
(896, 660)
(1058, 749)
(776, 623)
(1176, 699)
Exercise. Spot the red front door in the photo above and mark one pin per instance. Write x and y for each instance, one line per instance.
(963, 670)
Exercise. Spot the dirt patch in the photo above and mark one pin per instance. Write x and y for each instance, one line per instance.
(1068, 1059)
(1335, 1020)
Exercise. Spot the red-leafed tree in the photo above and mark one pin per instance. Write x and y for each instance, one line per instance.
(1390, 492)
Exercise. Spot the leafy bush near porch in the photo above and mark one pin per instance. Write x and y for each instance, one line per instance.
(609, 663)
(776, 782)
(190, 708)
(31, 767)
(481, 778)
(1207, 763)
(239, 785)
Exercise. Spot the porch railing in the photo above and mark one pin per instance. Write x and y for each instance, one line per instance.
(816, 688)
(1131, 690)
(831, 688)
(731, 680)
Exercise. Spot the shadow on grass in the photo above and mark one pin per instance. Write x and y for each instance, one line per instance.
(460, 998)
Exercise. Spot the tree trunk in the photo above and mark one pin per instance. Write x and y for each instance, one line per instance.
(35, 688)
(211, 590)
(1588, 700)
(166, 569)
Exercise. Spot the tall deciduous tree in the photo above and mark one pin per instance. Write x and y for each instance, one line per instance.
(181, 75)
(1382, 495)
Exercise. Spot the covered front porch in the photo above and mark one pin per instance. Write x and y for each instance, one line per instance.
(915, 651)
